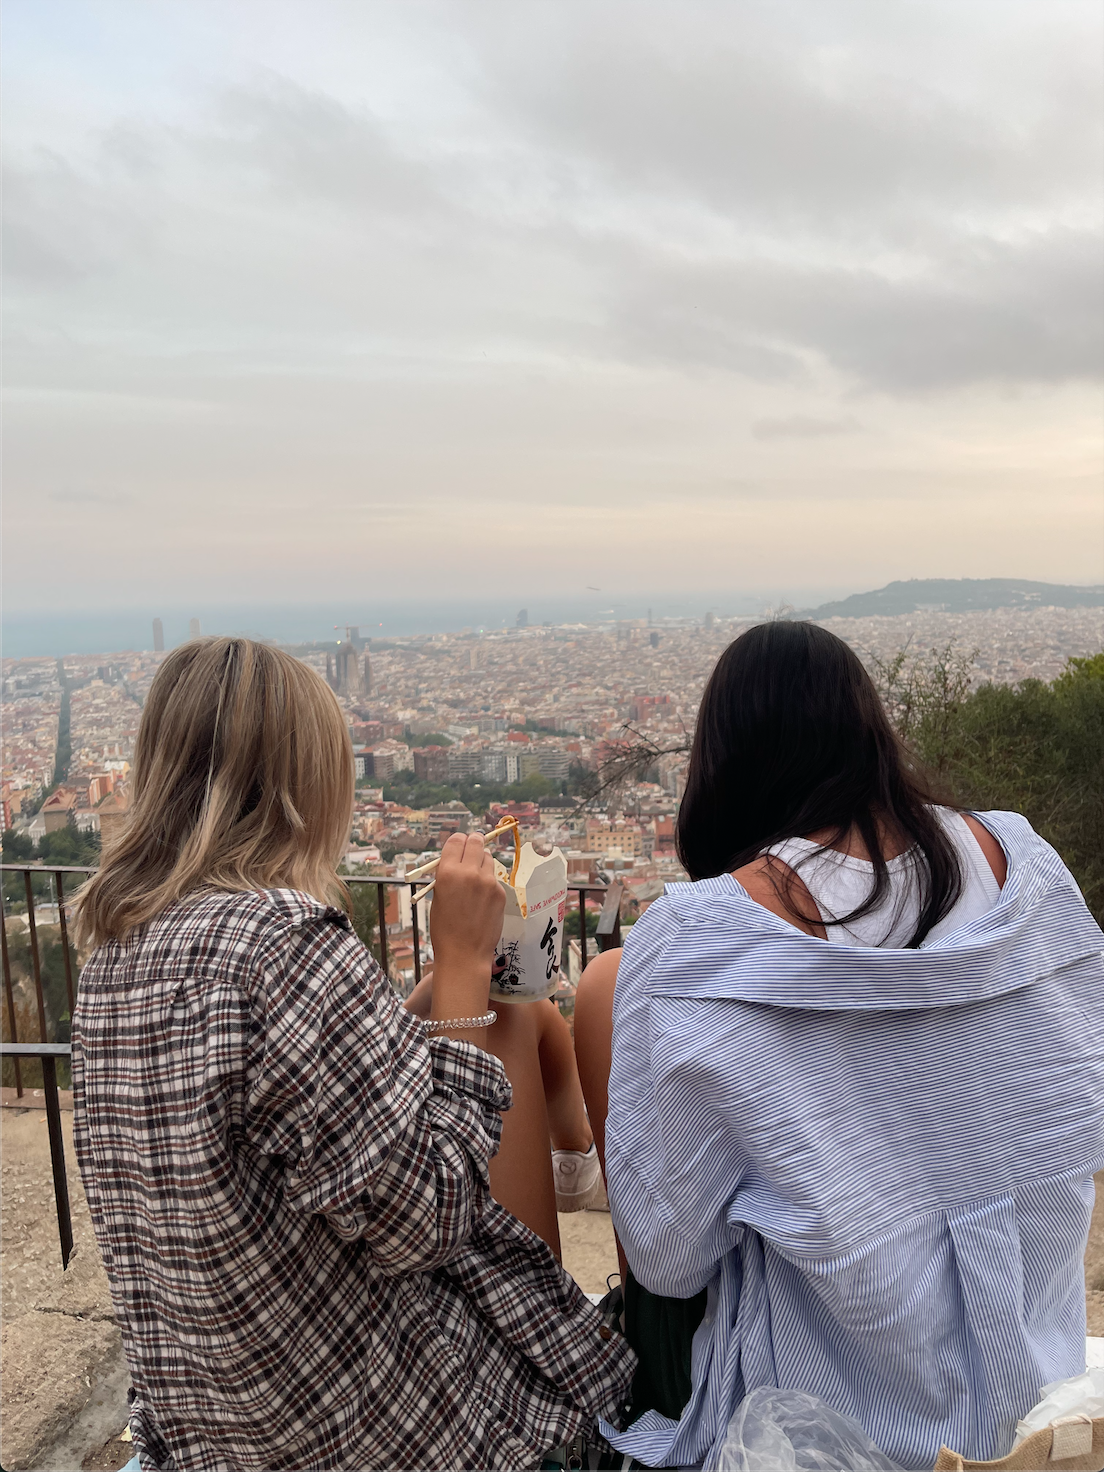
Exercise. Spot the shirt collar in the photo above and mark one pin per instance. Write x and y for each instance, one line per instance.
(1039, 925)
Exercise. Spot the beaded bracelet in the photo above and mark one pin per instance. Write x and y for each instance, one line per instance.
(458, 1024)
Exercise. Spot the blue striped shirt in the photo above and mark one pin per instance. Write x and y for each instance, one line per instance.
(878, 1161)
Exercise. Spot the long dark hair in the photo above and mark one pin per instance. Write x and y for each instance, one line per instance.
(792, 739)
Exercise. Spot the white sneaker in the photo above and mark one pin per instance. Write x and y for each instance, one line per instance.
(577, 1176)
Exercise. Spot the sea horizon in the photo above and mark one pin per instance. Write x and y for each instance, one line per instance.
(37, 633)
(108, 631)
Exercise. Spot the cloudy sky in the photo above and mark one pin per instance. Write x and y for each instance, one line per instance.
(398, 300)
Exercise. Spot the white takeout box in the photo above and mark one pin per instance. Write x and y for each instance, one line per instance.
(527, 957)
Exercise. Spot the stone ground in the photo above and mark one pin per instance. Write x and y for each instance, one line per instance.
(64, 1375)
(63, 1366)
(588, 1249)
(1094, 1263)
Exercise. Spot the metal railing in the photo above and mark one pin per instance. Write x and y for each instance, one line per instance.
(607, 935)
(47, 1051)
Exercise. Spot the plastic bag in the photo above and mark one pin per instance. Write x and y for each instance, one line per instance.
(1083, 1395)
(791, 1431)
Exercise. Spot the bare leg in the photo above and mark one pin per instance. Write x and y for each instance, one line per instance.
(594, 1048)
(521, 1172)
(568, 1126)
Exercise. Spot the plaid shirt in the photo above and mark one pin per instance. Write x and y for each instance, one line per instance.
(289, 1189)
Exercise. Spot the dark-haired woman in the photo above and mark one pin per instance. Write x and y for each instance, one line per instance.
(856, 1095)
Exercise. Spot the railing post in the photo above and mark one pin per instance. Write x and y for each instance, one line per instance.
(57, 1158)
(609, 921)
(48, 1054)
(65, 945)
(582, 930)
(414, 933)
(35, 963)
(381, 915)
(9, 997)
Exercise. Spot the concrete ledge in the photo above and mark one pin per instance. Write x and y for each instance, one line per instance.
(53, 1366)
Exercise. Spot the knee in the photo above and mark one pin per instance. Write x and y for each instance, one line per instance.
(420, 999)
(515, 1034)
(594, 994)
(511, 1023)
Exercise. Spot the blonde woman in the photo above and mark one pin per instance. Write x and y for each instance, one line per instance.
(287, 1171)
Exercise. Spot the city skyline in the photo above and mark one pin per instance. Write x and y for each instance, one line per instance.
(67, 634)
(410, 301)
(496, 707)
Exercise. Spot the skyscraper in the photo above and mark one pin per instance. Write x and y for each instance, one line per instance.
(193, 628)
(343, 671)
(158, 636)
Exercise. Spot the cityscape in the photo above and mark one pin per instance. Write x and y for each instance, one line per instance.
(504, 364)
(452, 730)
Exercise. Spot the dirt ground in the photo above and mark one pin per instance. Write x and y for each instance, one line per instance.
(589, 1251)
(1094, 1263)
(62, 1354)
(64, 1374)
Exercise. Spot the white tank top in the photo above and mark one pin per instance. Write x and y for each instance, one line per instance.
(839, 883)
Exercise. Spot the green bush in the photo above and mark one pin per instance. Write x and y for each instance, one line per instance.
(55, 997)
(1036, 749)
(65, 847)
(364, 912)
(69, 846)
(573, 924)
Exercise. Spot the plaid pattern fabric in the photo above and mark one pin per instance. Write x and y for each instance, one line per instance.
(289, 1188)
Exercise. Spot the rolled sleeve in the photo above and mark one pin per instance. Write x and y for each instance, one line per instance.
(384, 1134)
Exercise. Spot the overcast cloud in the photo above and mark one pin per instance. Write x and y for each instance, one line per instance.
(359, 299)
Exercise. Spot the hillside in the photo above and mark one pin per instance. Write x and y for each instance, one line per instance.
(957, 595)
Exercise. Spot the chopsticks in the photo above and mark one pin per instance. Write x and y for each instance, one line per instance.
(510, 826)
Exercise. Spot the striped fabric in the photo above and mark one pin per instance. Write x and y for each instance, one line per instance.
(879, 1161)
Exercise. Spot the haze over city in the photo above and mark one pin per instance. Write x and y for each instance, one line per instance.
(377, 304)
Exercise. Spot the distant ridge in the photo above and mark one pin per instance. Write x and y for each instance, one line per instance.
(957, 595)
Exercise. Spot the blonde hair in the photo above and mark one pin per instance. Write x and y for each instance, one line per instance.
(242, 780)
